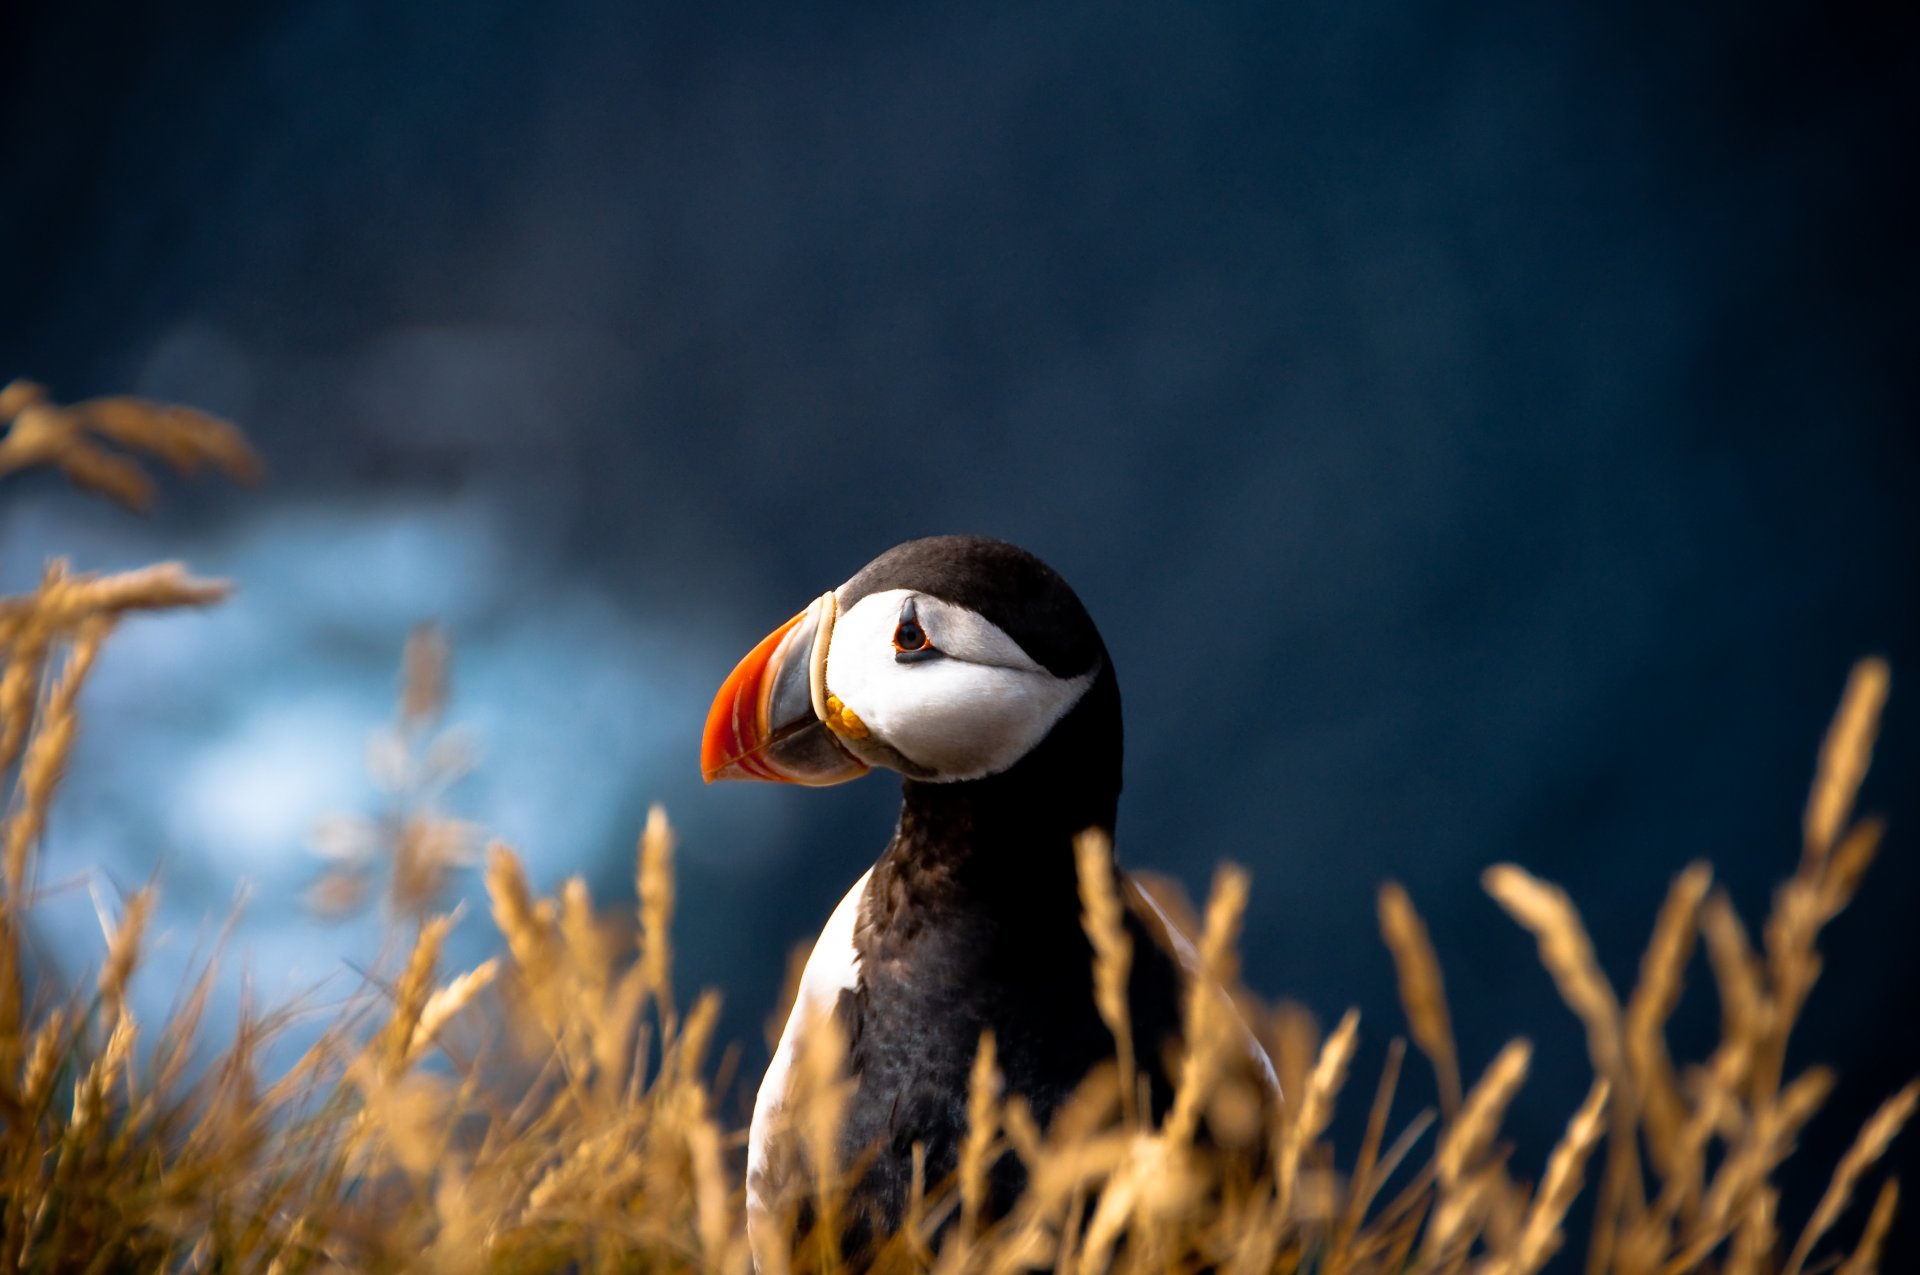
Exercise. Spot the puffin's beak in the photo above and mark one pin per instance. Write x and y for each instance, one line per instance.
(767, 721)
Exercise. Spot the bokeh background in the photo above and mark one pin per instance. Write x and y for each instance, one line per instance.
(1481, 435)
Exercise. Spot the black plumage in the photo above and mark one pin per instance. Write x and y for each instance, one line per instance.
(972, 920)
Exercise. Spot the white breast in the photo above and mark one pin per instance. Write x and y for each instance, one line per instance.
(833, 967)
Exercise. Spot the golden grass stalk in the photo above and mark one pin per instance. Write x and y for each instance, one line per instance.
(1654, 998)
(1369, 1171)
(589, 954)
(1848, 865)
(1567, 952)
(983, 1123)
(1467, 1189)
(689, 1049)
(69, 438)
(1845, 754)
(1746, 1014)
(1761, 1142)
(1422, 990)
(1152, 1184)
(655, 886)
(1825, 879)
(722, 1247)
(1865, 1260)
(123, 950)
(1292, 1037)
(1755, 1239)
(410, 994)
(1875, 1136)
(1540, 1236)
(1315, 1110)
(1220, 933)
(527, 925)
(1112, 951)
(50, 1043)
(45, 758)
(423, 677)
(1467, 1137)
(1211, 1027)
(165, 586)
(822, 1095)
(446, 1002)
(59, 610)
(915, 1228)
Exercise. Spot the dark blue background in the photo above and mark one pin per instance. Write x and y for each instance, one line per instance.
(1480, 435)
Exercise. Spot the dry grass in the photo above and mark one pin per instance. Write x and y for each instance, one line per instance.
(552, 1109)
(94, 443)
(412, 843)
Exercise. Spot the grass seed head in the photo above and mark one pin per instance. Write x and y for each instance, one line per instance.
(1423, 991)
(1540, 1235)
(446, 1002)
(1845, 754)
(1469, 1135)
(1865, 1259)
(655, 876)
(1112, 948)
(1875, 1136)
(1654, 999)
(1567, 953)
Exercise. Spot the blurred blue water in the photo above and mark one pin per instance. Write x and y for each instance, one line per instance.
(217, 742)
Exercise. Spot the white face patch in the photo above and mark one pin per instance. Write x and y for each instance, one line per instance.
(973, 710)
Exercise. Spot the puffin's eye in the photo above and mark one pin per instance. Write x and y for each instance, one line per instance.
(909, 639)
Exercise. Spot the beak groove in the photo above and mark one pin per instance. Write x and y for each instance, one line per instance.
(768, 719)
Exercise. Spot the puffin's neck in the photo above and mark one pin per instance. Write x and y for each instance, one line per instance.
(1015, 830)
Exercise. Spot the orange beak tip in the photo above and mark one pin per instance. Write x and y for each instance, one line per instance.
(739, 741)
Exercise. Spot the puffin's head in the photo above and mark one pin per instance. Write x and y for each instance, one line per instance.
(946, 659)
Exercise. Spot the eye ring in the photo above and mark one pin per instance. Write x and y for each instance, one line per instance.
(910, 640)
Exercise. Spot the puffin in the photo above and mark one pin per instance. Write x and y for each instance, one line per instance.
(970, 668)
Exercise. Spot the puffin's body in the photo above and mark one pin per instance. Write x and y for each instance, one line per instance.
(970, 666)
